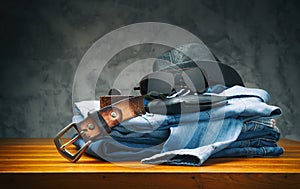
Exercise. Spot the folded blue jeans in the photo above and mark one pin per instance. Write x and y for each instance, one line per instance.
(256, 142)
(137, 146)
(260, 128)
(264, 151)
(256, 138)
(190, 139)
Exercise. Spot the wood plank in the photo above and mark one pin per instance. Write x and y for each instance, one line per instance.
(153, 180)
(37, 163)
(34, 157)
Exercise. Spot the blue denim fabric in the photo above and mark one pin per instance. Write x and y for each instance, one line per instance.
(239, 91)
(109, 149)
(184, 157)
(254, 137)
(246, 103)
(257, 136)
(257, 139)
(256, 142)
(188, 139)
(260, 128)
(265, 151)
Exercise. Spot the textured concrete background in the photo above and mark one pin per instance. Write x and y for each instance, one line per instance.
(42, 43)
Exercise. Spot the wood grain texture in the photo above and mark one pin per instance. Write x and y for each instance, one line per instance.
(36, 163)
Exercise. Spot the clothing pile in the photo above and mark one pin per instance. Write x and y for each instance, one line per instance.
(243, 126)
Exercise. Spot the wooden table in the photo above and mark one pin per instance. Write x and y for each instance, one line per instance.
(35, 163)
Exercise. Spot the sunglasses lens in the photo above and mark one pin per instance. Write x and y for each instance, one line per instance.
(195, 80)
(157, 82)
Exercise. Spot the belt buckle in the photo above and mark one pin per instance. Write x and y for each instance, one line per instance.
(62, 148)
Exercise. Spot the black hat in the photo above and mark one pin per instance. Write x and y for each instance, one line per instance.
(192, 68)
(198, 55)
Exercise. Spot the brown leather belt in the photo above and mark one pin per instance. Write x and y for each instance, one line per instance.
(114, 109)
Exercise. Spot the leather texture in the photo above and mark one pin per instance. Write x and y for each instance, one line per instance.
(99, 123)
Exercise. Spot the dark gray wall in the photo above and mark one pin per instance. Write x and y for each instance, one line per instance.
(42, 43)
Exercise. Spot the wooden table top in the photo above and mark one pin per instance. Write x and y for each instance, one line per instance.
(40, 155)
(30, 156)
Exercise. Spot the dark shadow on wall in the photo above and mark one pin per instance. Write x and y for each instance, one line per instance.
(42, 43)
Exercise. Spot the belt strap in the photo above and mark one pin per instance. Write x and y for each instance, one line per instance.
(99, 123)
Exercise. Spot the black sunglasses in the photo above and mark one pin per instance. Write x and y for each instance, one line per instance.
(169, 82)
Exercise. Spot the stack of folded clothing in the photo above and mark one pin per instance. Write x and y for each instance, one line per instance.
(243, 127)
(258, 138)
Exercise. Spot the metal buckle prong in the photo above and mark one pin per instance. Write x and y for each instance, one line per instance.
(61, 148)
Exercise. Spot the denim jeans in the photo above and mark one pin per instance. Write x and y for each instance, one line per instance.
(264, 151)
(190, 139)
(255, 142)
(257, 139)
(260, 128)
(136, 146)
